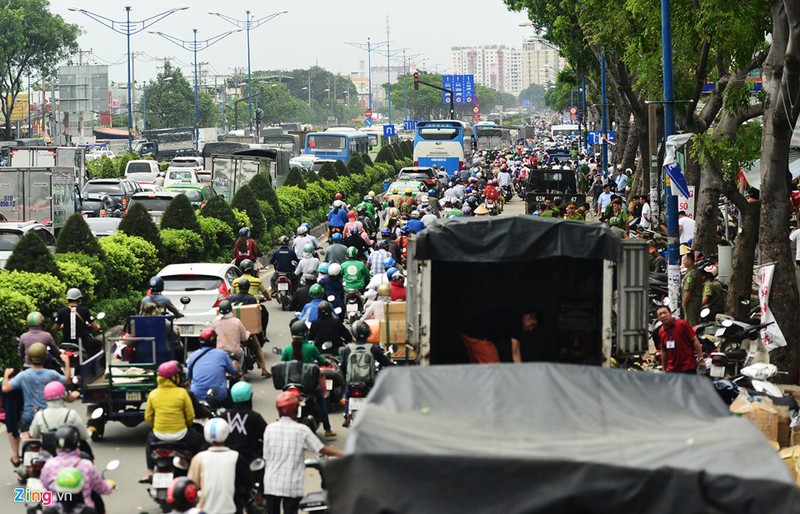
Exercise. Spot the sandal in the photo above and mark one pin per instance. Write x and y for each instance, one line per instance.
(265, 374)
(14, 462)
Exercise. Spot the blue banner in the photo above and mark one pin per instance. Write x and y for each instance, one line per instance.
(676, 177)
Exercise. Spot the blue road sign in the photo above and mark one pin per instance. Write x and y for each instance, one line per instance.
(410, 124)
(388, 131)
(368, 122)
(458, 88)
(595, 137)
(463, 87)
(447, 83)
(469, 87)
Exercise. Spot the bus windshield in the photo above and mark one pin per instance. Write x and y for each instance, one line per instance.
(438, 133)
(324, 142)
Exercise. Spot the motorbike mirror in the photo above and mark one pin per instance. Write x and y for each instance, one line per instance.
(337, 310)
(100, 315)
(727, 323)
(257, 464)
(277, 351)
(97, 413)
(112, 465)
(331, 298)
(185, 300)
(327, 345)
(311, 463)
(212, 393)
(705, 312)
(180, 463)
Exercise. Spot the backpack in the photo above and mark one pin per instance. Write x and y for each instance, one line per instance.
(360, 364)
(49, 442)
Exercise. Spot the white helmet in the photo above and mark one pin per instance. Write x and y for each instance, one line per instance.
(74, 294)
(338, 204)
(712, 269)
(335, 269)
(301, 230)
(216, 430)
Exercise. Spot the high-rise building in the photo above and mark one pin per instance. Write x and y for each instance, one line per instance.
(540, 62)
(497, 67)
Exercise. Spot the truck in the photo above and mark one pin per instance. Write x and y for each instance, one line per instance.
(288, 142)
(47, 195)
(168, 143)
(554, 183)
(587, 285)
(231, 171)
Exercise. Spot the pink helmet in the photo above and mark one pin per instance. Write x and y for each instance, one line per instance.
(54, 390)
(168, 369)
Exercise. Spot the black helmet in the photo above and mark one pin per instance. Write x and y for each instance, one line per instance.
(246, 265)
(156, 284)
(225, 307)
(299, 329)
(244, 285)
(361, 330)
(67, 438)
(325, 309)
(182, 494)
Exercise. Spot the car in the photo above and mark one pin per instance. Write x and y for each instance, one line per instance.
(144, 170)
(94, 205)
(195, 163)
(102, 227)
(420, 173)
(317, 164)
(11, 232)
(98, 153)
(180, 176)
(303, 162)
(401, 185)
(198, 194)
(155, 202)
(205, 285)
(204, 176)
(119, 189)
(151, 187)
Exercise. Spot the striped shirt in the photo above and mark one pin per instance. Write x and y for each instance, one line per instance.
(285, 442)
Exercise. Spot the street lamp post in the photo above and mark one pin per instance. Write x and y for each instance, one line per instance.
(368, 47)
(195, 46)
(247, 24)
(128, 28)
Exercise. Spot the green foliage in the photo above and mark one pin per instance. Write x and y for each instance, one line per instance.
(263, 190)
(46, 292)
(75, 275)
(311, 177)
(367, 159)
(122, 160)
(170, 103)
(31, 254)
(138, 222)
(124, 271)
(535, 94)
(729, 154)
(245, 200)
(328, 172)
(218, 239)
(76, 236)
(145, 253)
(14, 308)
(341, 168)
(385, 155)
(242, 220)
(219, 209)
(181, 246)
(90, 264)
(118, 308)
(294, 178)
(180, 215)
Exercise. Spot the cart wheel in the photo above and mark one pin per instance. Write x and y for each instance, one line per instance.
(97, 436)
(97, 429)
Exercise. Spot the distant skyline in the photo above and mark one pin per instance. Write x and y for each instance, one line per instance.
(313, 32)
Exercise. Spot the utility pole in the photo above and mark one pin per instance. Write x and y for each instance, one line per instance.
(368, 46)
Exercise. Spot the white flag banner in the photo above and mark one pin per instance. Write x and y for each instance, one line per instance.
(771, 335)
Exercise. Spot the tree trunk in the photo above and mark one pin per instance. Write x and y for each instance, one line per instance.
(740, 284)
(622, 117)
(641, 173)
(706, 214)
(781, 78)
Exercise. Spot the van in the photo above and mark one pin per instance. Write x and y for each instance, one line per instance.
(142, 171)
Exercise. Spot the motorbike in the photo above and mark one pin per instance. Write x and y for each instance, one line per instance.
(507, 192)
(492, 207)
(73, 350)
(354, 305)
(32, 459)
(334, 380)
(285, 290)
(308, 412)
(356, 396)
(73, 504)
(316, 501)
(171, 459)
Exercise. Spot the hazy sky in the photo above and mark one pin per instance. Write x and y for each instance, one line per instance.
(312, 32)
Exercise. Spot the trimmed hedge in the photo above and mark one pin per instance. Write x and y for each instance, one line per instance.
(125, 272)
(181, 246)
(30, 254)
(14, 308)
(93, 265)
(217, 239)
(76, 236)
(117, 308)
(75, 275)
(46, 292)
(145, 254)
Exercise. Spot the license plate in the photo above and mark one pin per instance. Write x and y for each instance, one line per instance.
(352, 307)
(34, 484)
(162, 480)
(355, 404)
(133, 396)
(717, 371)
(328, 384)
(29, 457)
(720, 332)
(283, 286)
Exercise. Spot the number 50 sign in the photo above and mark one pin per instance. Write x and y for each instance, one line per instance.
(687, 204)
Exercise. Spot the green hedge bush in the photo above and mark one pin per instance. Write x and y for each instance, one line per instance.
(218, 208)
(242, 220)
(138, 222)
(181, 246)
(180, 215)
(124, 273)
(117, 308)
(30, 254)
(246, 201)
(145, 253)
(76, 236)
(76, 275)
(47, 293)
(14, 308)
(217, 239)
(93, 265)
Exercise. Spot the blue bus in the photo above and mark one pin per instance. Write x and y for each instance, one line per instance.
(441, 142)
(336, 145)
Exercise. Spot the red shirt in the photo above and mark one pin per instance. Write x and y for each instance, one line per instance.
(681, 355)
(398, 291)
(491, 193)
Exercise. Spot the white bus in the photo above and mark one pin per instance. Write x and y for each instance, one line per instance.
(565, 131)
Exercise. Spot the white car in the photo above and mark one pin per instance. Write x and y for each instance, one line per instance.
(96, 154)
(175, 176)
(205, 285)
(12, 232)
(194, 163)
(303, 161)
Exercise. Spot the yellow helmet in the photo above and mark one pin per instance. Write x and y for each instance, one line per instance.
(394, 190)
(409, 191)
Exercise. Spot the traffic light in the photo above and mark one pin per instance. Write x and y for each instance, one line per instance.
(416, 80)
(259, 113)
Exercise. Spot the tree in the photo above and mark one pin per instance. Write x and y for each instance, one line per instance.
(138, 222)
(355, 165)
(31, 254)
(170, 101)
(535, 95)
(385, 155)
(263, 190)
(180, 215)
(367, 159)
(294, 178)
(32, 39)
(328, 172)
(218, 208)
(76, 236)
(341, 168)
(245, 200)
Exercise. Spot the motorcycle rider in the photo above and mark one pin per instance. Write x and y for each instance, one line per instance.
(336, 251)
(68, 456)
(284, 260)
(68, 483)
(375, 310)
(170, 413)
(302, 295)
(414, 224)
(230, 332)
(328, 327)
(48, 420)
(37, 334)
(362, 332)
(337, 217)
(257, 289)
(207, 368)
(713, 293)
(301, 240)
(355, 273)
(245, 247)
(75, 321)
(309, 263)
(398, 287)
(182, 496)
(164, 303)
(391, 244)
(310, 310)
(222, 475)
(285, 444)
(377, 259)
(301, 350)
(246, 425)
(333, 286)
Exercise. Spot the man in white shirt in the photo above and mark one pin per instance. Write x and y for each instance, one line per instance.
(795, 236)
(686, 227)
(604, 199)
(646, 212)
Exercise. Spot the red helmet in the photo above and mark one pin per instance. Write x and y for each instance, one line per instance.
(168, 370)
(287, 402)
(182, 494)
(208, 336)
(351, 214)
(337, 196)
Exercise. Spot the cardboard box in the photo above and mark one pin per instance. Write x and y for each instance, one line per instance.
(394, 329)
(784, 431)
(794, 436)
(791, 457)
(762, 413)
(250, 316)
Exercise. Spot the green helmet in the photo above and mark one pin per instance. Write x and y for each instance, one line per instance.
(309, 248)
(316, 291)
(352, 251)
(37, 353)
(367, 198)
(241, 392)
(69, 480)
(225, 307)
(35, 319)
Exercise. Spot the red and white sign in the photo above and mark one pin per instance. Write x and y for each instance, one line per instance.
(476, 117)
(771, 335)
(476, 109)
(368, 113)
(687, 204)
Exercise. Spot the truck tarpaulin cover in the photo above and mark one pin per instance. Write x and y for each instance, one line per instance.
(486, 239)
(553, 438)
(176, 135)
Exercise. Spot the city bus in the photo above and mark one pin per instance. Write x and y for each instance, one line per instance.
(489, 135)
(336, 145)
(565, 131)
(441, 143)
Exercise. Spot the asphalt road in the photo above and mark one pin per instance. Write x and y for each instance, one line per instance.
(127, 444)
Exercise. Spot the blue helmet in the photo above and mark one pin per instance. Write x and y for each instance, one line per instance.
(386, 231)
(405, 230)
(308, 227)
(468, 190)
(432, 193)
(389, 263)
(156, 284)
(244, 232)
(336, 237)
(390, 272)
(323, 268)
